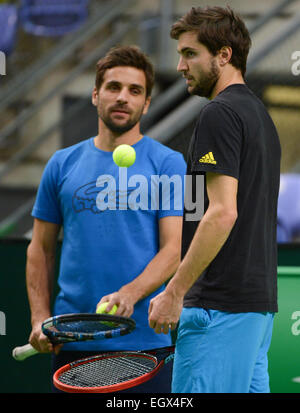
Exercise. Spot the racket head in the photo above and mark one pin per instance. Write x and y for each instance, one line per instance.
(85, 326)
(110, 372)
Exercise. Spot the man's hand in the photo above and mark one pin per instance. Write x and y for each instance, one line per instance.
(40, 342)
(123, 300)
(164, 312)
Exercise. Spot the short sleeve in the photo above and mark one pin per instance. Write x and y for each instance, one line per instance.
(46, 205)
(171, 192)
(218, 141)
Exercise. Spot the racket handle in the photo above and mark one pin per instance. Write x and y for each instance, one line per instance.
(21, 353)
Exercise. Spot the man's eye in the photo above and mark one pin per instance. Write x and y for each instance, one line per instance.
(113, 87)
(135, 91)
(190, 54)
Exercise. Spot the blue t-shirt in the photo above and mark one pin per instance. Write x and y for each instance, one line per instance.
(110, 218)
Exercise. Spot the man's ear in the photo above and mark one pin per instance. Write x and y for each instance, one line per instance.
(225, 55)
(147, 104)
(95, 97)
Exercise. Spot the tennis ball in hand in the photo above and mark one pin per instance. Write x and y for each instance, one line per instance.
(102, 309)
(124, 155)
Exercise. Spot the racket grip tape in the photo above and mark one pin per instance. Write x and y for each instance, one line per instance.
(21, 353)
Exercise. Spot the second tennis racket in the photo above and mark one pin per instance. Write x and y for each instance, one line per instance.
(110, 372)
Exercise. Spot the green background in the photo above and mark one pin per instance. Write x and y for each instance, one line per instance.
(32, 375)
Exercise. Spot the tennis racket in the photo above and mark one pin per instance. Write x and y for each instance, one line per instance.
(110, 372)
(79, 327)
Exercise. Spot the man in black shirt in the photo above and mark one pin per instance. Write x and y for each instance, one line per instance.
(227, 280)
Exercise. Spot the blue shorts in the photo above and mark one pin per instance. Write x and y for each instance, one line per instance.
(219, 352)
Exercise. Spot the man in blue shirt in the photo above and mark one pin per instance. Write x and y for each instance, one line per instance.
(121, 226)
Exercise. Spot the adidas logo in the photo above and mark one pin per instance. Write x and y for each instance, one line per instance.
(208, 158)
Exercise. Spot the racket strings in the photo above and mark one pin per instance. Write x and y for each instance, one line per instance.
(107, 371)
(88, 327)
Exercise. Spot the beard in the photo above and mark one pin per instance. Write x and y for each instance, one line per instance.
(115, 126)
(204, 87)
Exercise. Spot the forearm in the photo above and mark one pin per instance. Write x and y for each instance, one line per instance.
(39, 282)
(157, 272)
(210, 236)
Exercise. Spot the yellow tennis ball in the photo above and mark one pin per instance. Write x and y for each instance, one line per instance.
(124, 155)
(102, 309)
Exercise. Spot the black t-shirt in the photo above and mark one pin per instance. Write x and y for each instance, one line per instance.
(235, 136)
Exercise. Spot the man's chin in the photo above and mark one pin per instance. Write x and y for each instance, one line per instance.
(192, 90)
(196, 91)
(120, 127)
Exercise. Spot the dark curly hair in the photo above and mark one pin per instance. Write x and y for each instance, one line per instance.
(217, 27)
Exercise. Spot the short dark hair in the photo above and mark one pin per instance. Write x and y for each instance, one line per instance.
(126, 56)
(217, 27)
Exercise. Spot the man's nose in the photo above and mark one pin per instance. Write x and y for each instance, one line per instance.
(123, 96)
(182, 66)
